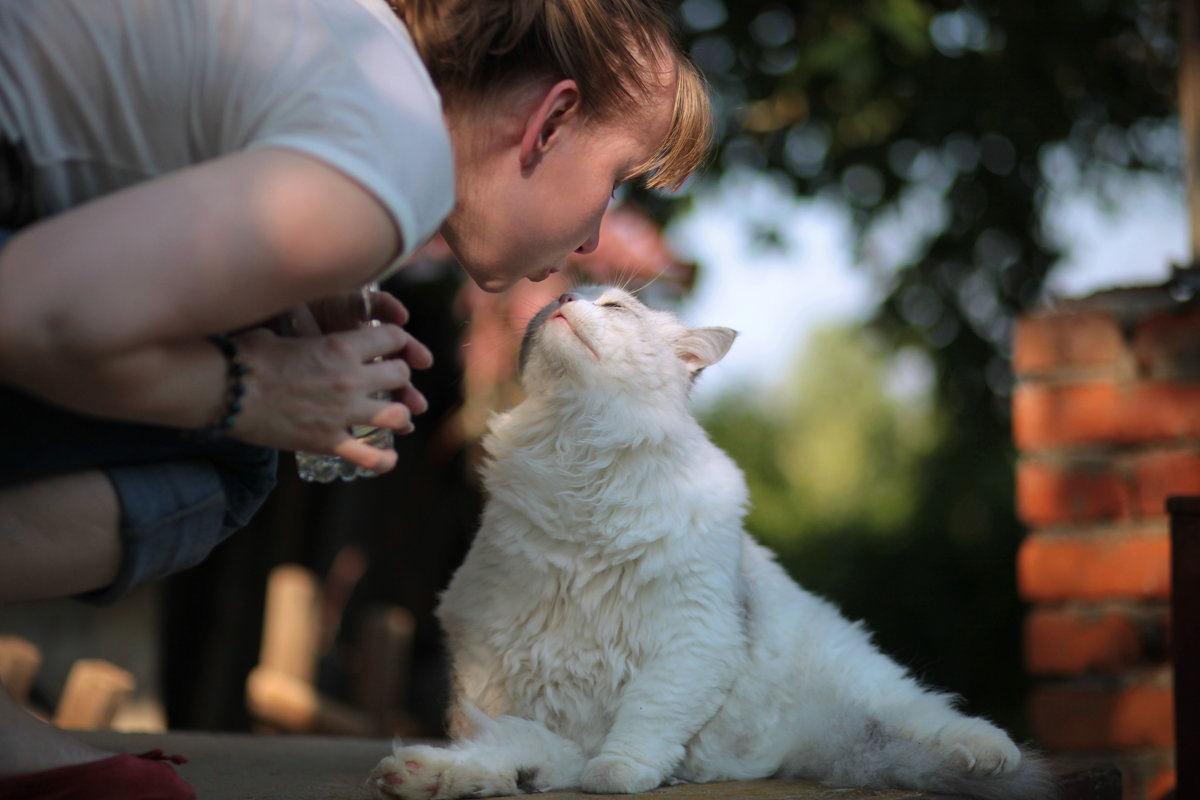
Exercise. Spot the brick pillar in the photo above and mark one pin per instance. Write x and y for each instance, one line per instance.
(1106, 417)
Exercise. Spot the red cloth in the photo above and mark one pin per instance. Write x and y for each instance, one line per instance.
(120, 777)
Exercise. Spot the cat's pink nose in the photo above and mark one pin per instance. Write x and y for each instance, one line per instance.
(566, 297)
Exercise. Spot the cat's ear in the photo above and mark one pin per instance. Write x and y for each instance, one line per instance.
(701, 347)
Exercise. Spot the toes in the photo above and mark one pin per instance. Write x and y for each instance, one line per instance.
(981, 748)
(962, 758)
(409, 778)
(618, 775)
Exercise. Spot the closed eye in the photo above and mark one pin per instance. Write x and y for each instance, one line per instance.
(612, 304)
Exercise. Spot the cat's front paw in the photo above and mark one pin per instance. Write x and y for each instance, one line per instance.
(607, 774)
(975, 745)
(421, 772)
(412, 773)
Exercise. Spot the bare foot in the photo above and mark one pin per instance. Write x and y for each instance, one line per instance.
(29, 745)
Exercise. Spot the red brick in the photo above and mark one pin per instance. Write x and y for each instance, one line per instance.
(1045, 343)
(1104, 412)
(1083, 567)
(1159, 475)
(1161, 785)
(1168, 346)
(1070, 718)
(1055, 494)
(1078, 640)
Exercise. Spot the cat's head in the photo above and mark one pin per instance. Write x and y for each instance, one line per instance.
(598, 336)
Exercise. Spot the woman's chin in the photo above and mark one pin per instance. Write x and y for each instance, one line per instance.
(490, 279)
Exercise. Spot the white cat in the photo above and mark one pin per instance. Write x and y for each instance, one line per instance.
(613, 628)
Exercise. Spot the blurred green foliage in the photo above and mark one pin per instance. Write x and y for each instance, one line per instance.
(905, 111)
(830, 448)
(860, 490)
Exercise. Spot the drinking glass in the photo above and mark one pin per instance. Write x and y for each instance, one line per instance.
(342, 313)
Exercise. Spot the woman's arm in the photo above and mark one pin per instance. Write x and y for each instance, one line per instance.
(103, 308)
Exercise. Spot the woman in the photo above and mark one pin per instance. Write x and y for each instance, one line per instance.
(178, 171)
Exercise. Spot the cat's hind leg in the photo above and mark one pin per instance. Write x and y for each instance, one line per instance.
(504, 756)
(970, 744)
(975, 745)
(930, 745)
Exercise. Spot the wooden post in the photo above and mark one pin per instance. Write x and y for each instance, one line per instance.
(19, 663)
(1189, 117)
(290, 637)
(94, 693)
(291, 705)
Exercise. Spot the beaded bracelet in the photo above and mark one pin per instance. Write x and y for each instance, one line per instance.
(237, 369)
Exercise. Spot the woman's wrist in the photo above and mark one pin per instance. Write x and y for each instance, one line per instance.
(236, 370)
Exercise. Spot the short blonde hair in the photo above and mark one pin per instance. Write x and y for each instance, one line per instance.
(473, 48)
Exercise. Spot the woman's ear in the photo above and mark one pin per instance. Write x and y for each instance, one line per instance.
(558, 108)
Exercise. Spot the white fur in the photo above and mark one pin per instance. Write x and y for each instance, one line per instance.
(614, 628)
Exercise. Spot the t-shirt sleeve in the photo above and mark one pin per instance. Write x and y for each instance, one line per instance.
(349, 89)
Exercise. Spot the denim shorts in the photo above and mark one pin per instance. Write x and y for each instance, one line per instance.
(179, 496)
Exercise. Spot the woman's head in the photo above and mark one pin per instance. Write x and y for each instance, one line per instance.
(550, 101)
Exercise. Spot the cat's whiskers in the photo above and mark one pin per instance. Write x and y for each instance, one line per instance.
(649, 283)
(625, 277)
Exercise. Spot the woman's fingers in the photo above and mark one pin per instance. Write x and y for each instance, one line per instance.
(415, 401)
(417, 354)
(385, 307)
(386, 340)
(385, 414)
(364, 455)
(395, 378)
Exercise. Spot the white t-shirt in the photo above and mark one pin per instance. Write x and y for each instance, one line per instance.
(105, 93)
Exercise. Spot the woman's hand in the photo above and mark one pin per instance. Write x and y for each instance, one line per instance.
(303, 393)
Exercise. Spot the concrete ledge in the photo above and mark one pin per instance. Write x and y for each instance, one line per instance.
(249, 767)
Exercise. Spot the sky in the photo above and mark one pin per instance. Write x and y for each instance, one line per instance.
(775, 298)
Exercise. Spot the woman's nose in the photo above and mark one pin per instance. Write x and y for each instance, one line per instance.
(590, 244)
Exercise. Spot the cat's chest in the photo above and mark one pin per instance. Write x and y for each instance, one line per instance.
(566, 627)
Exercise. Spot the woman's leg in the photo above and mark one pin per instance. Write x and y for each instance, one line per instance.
(29, 745)
(157, 504)
(58, 537)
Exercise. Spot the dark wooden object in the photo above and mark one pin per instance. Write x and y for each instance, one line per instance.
(1185, 640)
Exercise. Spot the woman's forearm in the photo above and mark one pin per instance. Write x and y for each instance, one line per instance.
(181, 384)
(210, 248)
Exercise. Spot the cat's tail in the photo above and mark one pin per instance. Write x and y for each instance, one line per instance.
(900, 763)
(1033, 779)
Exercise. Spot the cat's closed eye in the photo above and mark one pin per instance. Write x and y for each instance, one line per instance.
(612, 304)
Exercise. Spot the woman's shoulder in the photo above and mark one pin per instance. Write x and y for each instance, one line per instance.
(318, 41)
(339, 80)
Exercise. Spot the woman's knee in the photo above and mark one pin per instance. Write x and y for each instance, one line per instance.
(59, 536)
